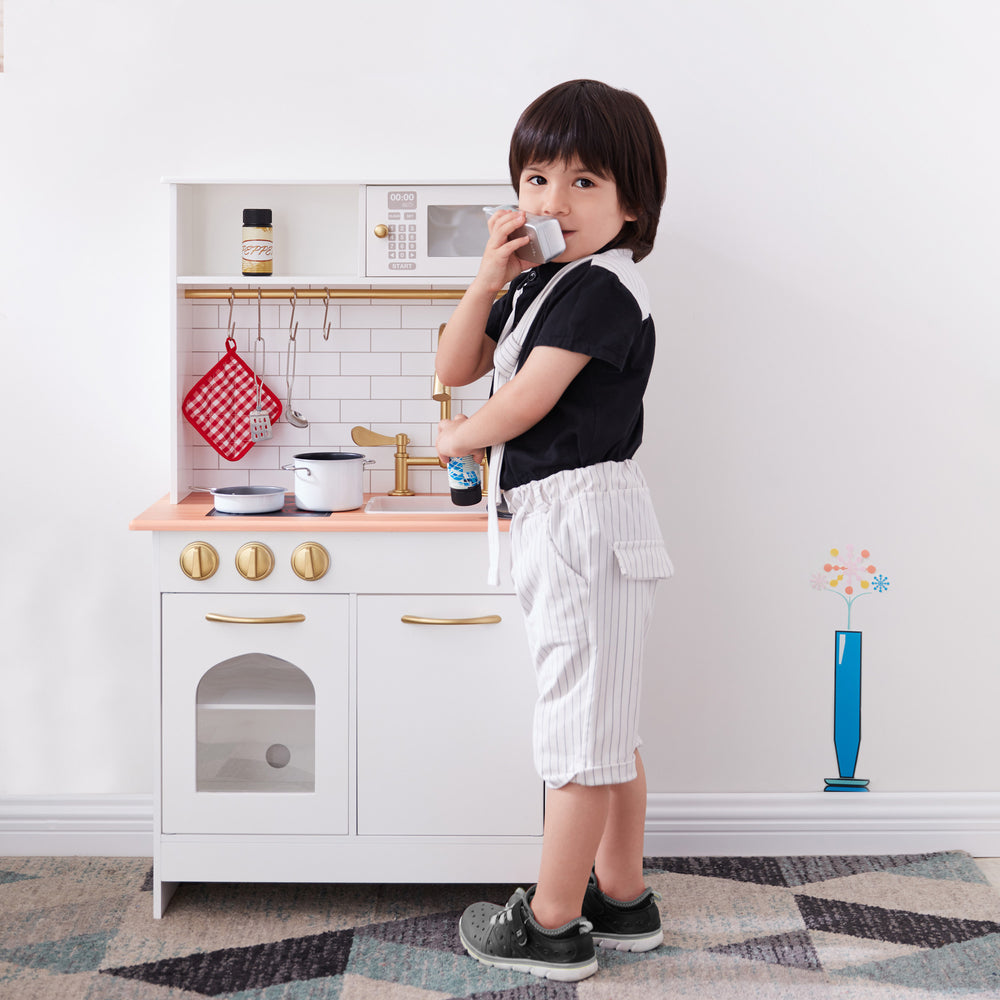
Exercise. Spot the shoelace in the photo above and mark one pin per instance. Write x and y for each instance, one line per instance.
(506, 916)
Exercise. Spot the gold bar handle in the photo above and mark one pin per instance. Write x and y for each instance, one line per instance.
(272, 620)
(481, 620)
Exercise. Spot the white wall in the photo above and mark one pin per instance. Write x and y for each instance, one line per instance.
(824, 294)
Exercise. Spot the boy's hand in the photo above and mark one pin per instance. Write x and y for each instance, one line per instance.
(448, 443)
(500, 263)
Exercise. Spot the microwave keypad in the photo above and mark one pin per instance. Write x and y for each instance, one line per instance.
(402, 238)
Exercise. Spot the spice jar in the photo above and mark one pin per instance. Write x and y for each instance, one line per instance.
(258, 246)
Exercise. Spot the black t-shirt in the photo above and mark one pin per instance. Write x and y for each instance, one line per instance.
(599, 309)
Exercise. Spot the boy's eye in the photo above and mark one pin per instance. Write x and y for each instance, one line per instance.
(584, 182)
(536, 179)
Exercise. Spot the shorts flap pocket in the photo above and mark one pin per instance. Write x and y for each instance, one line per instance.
(643, 560)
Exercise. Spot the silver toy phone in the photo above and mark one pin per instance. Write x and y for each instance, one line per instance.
(543, 231)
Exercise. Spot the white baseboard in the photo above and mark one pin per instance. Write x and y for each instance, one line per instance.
(790, 823)
(59, 825)
(677, 824)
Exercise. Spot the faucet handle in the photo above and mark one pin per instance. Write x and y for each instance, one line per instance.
(368, 439)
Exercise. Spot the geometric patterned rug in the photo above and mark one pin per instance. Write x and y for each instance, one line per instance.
(770, 928)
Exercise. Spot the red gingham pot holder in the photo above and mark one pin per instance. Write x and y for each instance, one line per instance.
(218, 406)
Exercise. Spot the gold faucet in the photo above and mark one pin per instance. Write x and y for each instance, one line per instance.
(367, 439)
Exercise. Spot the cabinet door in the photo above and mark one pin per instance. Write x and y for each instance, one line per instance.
(255, 714)
(444, 719)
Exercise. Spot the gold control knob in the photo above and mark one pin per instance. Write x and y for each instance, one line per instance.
(381, 230)
(199, 560)
(254, 561)
(310, 561)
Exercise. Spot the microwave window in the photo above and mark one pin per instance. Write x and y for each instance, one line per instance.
(456, 230)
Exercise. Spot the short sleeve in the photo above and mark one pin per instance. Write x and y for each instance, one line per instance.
(593, 315)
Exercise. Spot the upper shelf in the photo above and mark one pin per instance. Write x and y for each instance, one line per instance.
(315, 231)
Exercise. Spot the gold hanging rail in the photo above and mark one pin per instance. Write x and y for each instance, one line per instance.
(324, 293)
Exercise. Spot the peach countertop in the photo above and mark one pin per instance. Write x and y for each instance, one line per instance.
(191, 514)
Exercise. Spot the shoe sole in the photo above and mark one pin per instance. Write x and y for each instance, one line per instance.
(636, 944)
(568, 973)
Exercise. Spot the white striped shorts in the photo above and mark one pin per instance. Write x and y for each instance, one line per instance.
(586, 555)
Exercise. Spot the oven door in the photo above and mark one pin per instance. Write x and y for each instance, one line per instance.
(255, 696)
(428, 230)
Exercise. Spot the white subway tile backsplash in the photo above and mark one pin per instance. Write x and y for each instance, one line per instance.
(245, 315)
(375, 369)
(427, 315)
(322, 411)
(340, 340)
(416, 364)
(260, 456)
(372, 316)
(340, 387)
(370, 364)
(401, 388)
(403, 340)
(309, 315)
(365, 411)
(420, 411)
(205, 316)
(310, 363)
(331, 436)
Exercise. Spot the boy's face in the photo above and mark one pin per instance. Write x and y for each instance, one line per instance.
(586, 204)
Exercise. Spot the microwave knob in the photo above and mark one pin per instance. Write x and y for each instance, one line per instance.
(199, 560)
(381, 230)
(254, 561)
(310, 561)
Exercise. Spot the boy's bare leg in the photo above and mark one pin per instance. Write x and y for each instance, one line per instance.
(619, 856)
(575, 820)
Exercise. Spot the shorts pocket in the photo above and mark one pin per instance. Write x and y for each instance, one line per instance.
(643, 560)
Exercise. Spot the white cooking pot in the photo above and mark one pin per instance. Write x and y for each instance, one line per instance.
(329, 480)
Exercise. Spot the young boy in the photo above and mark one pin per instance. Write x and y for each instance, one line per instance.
(571, 346)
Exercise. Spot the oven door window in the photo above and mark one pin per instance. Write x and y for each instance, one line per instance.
(256, 727)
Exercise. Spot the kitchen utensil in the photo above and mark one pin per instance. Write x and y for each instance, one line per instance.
(219, 402)
(329, 480)
(260, 422)
(245, 499)
(292, 415)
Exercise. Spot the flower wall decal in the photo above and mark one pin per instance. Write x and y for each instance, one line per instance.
(849, 575)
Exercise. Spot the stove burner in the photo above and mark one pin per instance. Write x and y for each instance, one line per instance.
(289, 510)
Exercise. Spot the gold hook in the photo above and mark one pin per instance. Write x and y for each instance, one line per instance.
(230, 328)
(259, 337)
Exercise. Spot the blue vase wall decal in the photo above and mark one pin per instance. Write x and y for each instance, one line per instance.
(847, 713)
(849, 574)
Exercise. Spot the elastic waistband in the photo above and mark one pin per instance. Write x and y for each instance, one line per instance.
(604, 477)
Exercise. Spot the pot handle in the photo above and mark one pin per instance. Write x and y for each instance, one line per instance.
(297, 468)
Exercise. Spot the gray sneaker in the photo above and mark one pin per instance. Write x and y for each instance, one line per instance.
(623, 926)
(509, 937)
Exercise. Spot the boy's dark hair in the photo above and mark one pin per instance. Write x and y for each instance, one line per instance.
(613, 135)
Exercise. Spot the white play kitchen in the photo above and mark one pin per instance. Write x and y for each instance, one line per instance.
(341, 696)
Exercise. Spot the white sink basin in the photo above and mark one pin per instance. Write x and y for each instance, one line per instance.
(427, 503)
